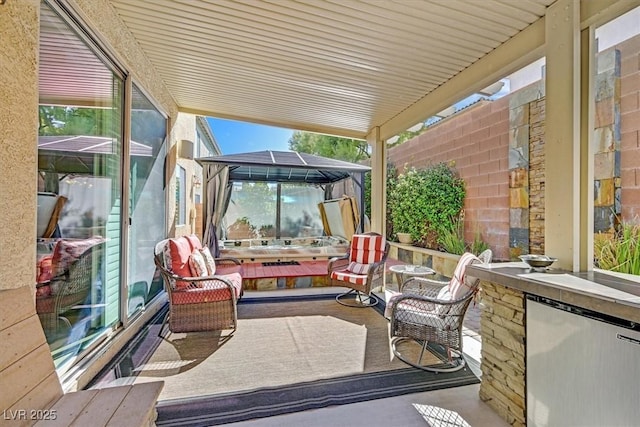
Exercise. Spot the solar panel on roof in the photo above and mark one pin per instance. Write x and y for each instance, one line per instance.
(294, 167)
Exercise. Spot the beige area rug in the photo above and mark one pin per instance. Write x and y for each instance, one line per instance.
(289, 355)
(276, 344)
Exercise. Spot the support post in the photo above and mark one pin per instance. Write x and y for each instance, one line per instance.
(378, 181)
(562, 145)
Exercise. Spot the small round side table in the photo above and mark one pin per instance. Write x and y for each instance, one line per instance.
(405, 271)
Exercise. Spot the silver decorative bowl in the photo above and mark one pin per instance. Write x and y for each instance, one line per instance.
(538, 261)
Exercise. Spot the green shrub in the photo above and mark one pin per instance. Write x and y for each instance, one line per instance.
(620, 252)
(424, 201)
(451, 237)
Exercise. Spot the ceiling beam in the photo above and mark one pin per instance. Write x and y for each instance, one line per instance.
(598, 12)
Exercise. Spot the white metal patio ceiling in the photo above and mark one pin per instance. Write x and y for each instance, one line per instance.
(338, 66)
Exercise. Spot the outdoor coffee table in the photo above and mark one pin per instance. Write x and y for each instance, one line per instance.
(406, 271)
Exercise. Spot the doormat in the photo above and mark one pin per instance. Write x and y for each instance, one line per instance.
(277, 263)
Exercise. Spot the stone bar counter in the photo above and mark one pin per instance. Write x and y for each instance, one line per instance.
(504, 287)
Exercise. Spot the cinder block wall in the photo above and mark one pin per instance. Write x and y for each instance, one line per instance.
(630, 128)
(477, 140)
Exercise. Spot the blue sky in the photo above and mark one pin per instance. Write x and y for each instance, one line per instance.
(240, 137)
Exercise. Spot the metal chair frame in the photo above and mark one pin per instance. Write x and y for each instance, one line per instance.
(420, 315)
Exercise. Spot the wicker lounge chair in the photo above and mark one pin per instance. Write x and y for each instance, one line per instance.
(361, 269)
(68, 290)
(430, 311)
(204, 303)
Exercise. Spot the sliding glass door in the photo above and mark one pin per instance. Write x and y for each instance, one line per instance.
(79, 191)
(146, 199)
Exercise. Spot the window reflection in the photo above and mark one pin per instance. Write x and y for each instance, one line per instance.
(79, 184)
(270, 210)
(147, 200)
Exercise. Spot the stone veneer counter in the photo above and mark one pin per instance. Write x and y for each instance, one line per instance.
(600, 292)
(502, 324)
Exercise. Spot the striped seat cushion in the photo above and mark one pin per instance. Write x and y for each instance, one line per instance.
(347, 276)
(357, 268)
(456, 289)
(458, 285)
(366, 249)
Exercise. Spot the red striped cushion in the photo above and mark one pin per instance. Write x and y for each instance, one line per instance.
(367, 249)
(457, 285)
(347, 276)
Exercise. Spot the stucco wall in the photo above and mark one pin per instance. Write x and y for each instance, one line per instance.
(19, 26)
(184, 128)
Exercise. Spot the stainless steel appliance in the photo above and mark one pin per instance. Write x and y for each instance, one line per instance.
(582, 368)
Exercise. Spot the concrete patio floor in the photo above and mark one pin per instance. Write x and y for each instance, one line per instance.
(453, 407)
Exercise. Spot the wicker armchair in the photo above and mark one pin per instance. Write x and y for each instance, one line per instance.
(361, 269)
(432, 312)
(206, 303)
(68, 291)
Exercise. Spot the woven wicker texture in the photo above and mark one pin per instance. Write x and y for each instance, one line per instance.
(205, 303)
(69, 289)
(430, 312)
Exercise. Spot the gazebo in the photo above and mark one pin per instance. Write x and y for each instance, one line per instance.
(220, 172)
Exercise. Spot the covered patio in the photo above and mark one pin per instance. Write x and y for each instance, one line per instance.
(363, 70)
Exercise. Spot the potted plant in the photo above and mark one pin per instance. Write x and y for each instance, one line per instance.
(241, 229)
(404, 238)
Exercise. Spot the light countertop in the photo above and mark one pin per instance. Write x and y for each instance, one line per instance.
(600, 292)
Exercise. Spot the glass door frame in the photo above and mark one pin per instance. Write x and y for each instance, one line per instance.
(128, 318)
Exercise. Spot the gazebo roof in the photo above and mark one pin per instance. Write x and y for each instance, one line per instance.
(284, 166)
